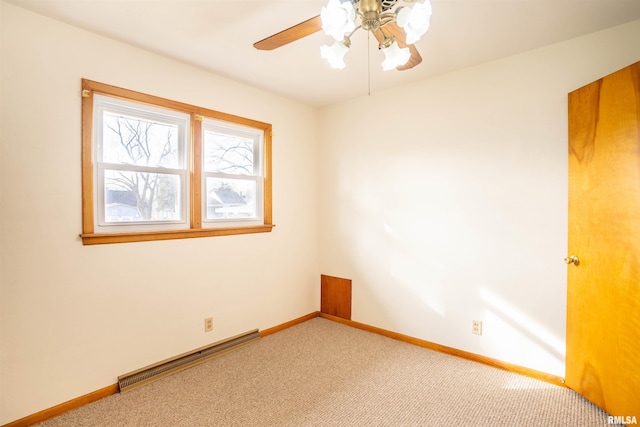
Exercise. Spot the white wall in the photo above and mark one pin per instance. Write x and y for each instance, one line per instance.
(445, 201)
(75, 317)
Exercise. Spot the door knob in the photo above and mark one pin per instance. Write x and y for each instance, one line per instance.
(572, 260)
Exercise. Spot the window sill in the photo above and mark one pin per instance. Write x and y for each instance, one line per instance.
(106, 238)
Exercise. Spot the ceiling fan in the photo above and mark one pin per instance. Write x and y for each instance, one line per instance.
(396, 30)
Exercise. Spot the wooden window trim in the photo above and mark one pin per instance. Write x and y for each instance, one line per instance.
(89, 237)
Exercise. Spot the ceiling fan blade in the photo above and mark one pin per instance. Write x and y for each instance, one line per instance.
(289, 35)
(392, 29)
(414, 60)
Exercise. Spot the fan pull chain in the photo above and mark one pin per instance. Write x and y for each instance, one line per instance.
(369, 61)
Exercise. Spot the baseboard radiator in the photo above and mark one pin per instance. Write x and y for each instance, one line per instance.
(158, 370)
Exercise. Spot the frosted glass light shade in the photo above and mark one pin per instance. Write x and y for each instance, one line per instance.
(395, 57)
(415, 21)
(334, 54)
(338, 19)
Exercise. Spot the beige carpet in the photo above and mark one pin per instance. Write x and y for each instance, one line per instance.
(321, 373)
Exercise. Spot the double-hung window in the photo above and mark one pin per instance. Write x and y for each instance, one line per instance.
(142, 180)
(231, 173)
(155, 169)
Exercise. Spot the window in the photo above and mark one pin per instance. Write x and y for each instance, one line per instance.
(141, 177)
(155, 169)
(231, 174)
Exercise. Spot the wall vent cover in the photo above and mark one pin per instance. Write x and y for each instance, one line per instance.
(170, 366)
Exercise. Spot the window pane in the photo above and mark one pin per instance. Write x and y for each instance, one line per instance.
(231, 199)
(141, 197)
(228, 154)
(137, 141)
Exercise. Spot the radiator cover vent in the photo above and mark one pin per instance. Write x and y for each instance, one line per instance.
(170, 366)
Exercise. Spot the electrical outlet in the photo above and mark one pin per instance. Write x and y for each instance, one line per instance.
(477, 327)
(208, 324)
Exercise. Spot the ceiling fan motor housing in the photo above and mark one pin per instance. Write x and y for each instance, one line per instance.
(369, 11)
(388, 4)
(384, 4)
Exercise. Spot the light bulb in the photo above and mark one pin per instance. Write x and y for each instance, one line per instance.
(334, 54)
(338, 19)
(394, 56)
(415, 21)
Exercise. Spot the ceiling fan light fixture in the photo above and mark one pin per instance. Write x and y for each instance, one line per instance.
(394, 56)
(415, 21)
(338, 19)
(335, 53)
(394, 27)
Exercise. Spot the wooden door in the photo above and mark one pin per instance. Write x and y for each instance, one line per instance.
(603, 300)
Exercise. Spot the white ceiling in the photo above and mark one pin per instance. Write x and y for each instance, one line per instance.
(219, 35)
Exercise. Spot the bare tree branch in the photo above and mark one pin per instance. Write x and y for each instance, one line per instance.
(137, 139)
